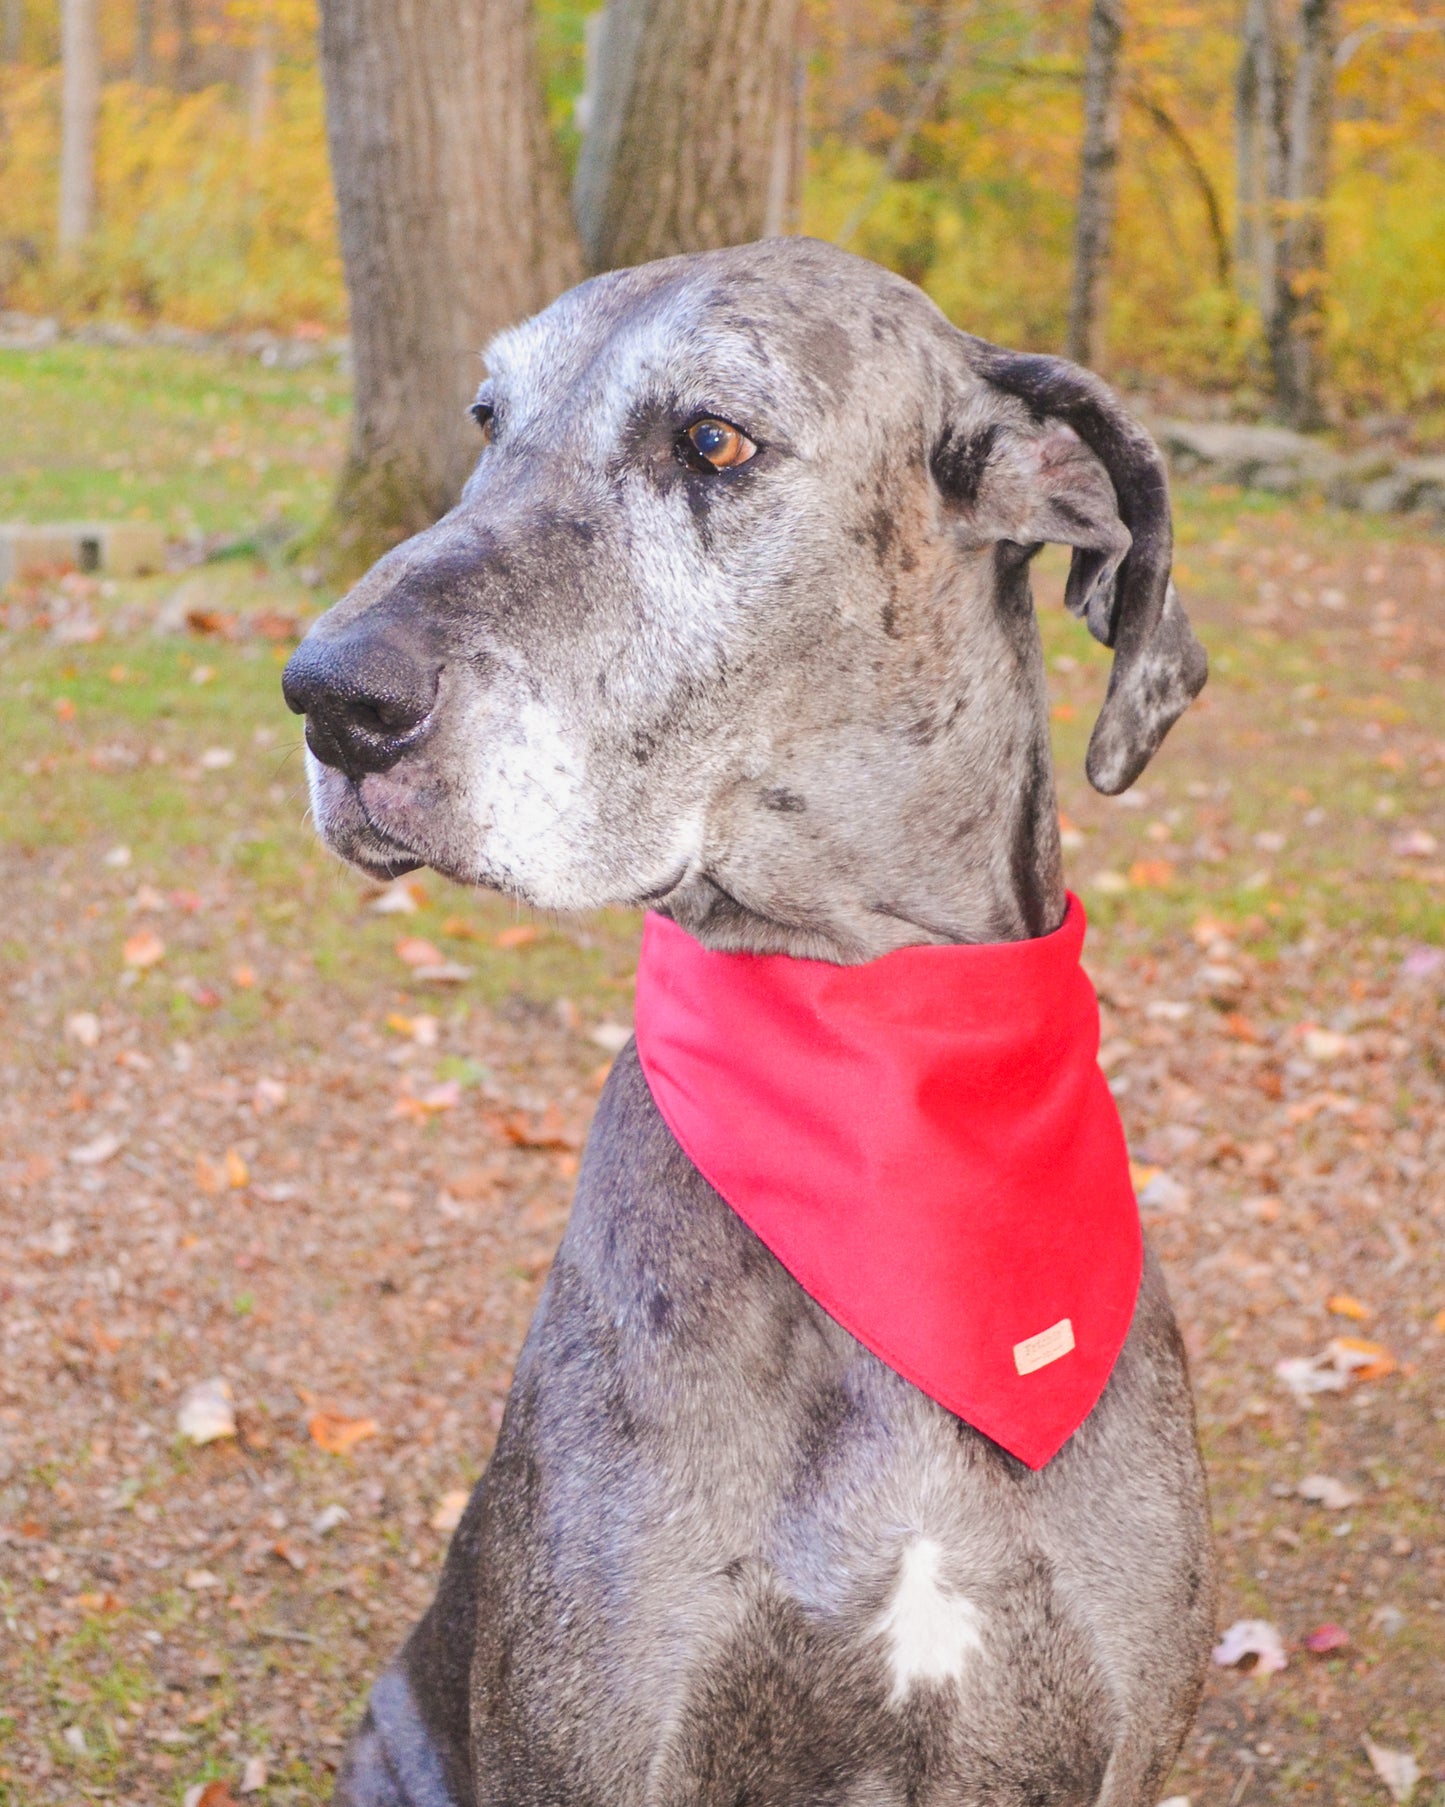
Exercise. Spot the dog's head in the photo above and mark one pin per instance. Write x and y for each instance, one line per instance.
(733, 614)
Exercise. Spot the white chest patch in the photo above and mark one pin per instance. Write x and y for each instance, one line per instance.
(931, 1631)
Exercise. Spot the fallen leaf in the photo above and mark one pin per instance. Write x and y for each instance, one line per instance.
(443, 972)
(212, 1794)
(202, 674)
(1437, 1323)
(1324, 1044)
(1237, 1024)
(1307, 1375)
(1324, 1490)
(1366, 1361)
(97, 1152)
(1422, 962)
(83, 1026)
(337, 1435)
(612, 1038)
(268, 1095)
(207, 1411)
(1110, 883)
(327, 1520)
(1418, 844)
(419, 1106)
(1327, 1637)
(1343, 1306)
(243, 977)
(200, 1580)
(1398, 1770)
(1164, 1193)
(1071, 836)
(238, 1174)
(253, 1775)
(216, 759)
(143, 949)
(1151, 875)
(412, 950)
(421, 1028)
(1251, 1637)
(288, 1552)
(100, 1603)
(550, 1132)
(460, 929)
(400, 898)
(521, 934)
(450, 1508)
(64, 709)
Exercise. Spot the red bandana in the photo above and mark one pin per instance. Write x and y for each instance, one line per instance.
(927, 1145)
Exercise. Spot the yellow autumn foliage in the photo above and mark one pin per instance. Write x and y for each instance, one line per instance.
(212, 216)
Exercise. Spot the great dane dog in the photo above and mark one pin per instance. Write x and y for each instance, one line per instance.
(734, 621)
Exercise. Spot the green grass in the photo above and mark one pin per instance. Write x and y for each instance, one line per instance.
(200, 442)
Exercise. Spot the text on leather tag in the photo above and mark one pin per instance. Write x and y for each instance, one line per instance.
(1036, 1352)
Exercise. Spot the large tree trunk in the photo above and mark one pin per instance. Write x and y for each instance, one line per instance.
(692, 142)
(79, 108)
(1098, 166)
(453, 224)
(1297, 316)
(1283, 120)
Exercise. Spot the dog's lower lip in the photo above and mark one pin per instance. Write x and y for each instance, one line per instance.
(658, 892)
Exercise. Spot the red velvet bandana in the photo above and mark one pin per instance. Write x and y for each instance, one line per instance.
(927, 1145)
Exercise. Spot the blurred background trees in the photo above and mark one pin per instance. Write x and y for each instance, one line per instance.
(1239, 196)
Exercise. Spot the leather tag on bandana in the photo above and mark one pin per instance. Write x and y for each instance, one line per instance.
(1037, 1352)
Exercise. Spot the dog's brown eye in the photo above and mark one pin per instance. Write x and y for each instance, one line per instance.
(485, 415)
(720, 445)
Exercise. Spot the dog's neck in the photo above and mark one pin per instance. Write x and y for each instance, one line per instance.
(958, 845)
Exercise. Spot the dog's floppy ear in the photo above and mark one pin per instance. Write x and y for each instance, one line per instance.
(1072, 467)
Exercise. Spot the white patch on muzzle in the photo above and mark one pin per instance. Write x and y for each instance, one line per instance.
(931, 1630)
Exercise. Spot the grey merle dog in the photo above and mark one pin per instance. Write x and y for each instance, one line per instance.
(734, 620)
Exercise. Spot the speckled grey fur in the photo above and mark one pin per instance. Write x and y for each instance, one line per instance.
(799, 706)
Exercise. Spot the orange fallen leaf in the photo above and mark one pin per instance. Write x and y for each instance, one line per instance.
(460, 929)
(1343, 1306)
(1239, 1026)
(238, 1174)
(243, 978)
(414, 951)
(144, 948)
(521, 934)
(338, 1436)
(100, 1603)
(210, 1177)
(1151, 875)
(1063, 712)
(64, 709)
(1437, 1323)
(1367, 1361)
(217, 1794)
(550, 1132)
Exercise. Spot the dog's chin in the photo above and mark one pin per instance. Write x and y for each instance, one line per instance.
(349, 831)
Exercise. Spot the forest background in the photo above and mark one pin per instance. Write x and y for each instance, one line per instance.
(942, 139)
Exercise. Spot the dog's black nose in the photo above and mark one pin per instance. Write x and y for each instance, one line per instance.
(366, 694)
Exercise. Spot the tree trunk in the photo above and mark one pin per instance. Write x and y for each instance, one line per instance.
(188, 57)
(453, 224)
(79, 108)
(143, 58)
(1297, 317)
(692, 142)
(1098, 166)
(13, 31)
(261, 80)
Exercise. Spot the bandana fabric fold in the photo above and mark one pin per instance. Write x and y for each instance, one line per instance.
(927, 1145)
